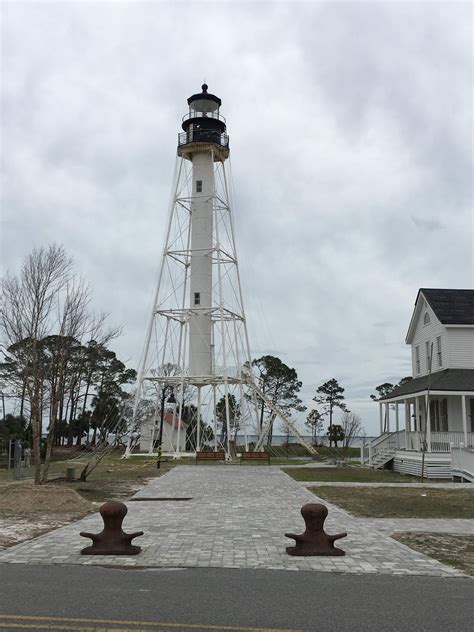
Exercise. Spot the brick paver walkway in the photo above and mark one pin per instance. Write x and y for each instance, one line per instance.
(237, 518)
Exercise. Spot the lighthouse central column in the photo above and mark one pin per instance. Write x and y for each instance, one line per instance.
(200, 325)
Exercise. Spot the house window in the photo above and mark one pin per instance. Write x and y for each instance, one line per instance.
(439, 415)
(428, 355)
(438, 351)
(198, 186)
(426, 319)
(197, 298)
(417, 359)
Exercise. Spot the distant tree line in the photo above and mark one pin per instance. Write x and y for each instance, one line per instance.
(280, 384)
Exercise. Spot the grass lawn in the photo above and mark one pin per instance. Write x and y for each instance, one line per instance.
(349, 474)
(448, 548)
(276, 460)
(114, 478)
(392, 502)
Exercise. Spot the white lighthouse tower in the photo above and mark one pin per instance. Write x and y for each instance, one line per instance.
(203, 143)
(196, 347)
(196, 355)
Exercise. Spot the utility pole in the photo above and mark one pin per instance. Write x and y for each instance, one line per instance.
(171, 400)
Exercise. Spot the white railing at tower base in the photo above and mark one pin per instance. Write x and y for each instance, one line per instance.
(462, 463)
(276, 412)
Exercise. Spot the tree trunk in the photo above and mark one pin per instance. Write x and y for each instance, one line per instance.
(330, 426)
(262, 411)
(88, 383)
(50, 438)
(270, 429)
(36, 431)
(22, 401)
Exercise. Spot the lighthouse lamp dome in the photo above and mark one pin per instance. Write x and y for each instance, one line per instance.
(204, 102)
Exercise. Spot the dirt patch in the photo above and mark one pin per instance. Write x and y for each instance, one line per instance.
(102, 491)
(16, 529)
(25, 498)
(392, 502)
(28, 510)
(455, 550)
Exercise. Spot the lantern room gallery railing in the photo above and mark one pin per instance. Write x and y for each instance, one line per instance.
(203, 136)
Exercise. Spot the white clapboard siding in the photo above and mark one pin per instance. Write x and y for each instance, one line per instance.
(436, 466)
(429, 333)
(461, 347)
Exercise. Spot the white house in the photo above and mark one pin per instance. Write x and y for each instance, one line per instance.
(433, 413)
(173, 428)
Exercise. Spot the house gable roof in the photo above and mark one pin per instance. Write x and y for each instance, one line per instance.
(451, 307)
(449, 380)
(174, 420)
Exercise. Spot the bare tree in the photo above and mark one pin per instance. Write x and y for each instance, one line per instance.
(352, 427)
(44, 316)
(72, 315)
(28, 303)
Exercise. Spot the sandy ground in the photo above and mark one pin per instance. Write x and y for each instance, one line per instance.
(456, 550)
(27, 511)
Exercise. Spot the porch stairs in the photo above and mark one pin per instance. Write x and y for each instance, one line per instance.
(382, 458)
(382, 450)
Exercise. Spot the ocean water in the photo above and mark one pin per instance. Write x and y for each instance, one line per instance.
(321, 439)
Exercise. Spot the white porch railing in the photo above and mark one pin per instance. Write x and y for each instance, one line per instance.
(462, 463)
(440, 441)
(382, 447)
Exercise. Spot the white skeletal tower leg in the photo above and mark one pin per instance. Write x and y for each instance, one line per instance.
(197, 338)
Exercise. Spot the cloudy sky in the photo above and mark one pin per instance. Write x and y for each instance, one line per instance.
(351, 133)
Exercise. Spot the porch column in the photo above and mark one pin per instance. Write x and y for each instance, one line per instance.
(397, 425)
(428, 423)
(407, 423)
(387, 417)
(381, 418)
(464, 419)
(407, 416)
(417, 436)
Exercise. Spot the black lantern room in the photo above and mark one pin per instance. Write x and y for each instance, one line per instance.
(203, 123)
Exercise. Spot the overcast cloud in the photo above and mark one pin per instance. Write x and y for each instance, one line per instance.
(351, 139)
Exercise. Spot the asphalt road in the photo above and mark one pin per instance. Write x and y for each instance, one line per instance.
(96, 599)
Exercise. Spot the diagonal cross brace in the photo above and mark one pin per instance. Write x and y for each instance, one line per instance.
(276, 412)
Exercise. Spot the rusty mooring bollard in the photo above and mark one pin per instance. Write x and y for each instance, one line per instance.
(112, 540)
(314, 541)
